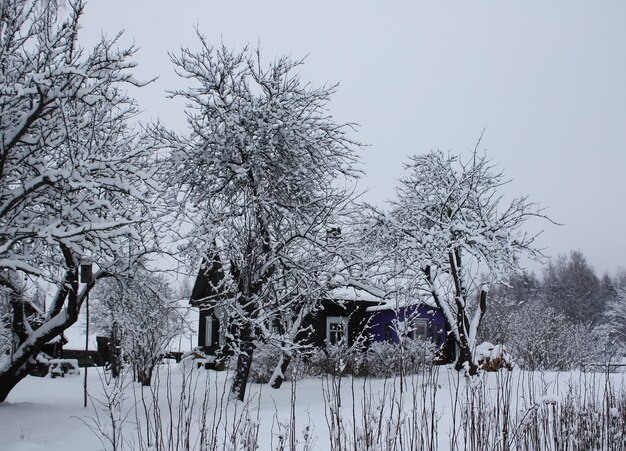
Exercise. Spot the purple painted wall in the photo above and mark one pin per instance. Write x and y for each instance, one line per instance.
(381, 322)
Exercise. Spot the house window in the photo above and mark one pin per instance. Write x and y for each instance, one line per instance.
(208, 331)
(420, 328)
(337, 330)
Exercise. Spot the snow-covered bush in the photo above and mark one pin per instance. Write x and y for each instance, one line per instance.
(332, 360)
(493, 357)
(63, 367)
(139, 314)
(379, 359)
(384, 359)
(264, 361)
(541, 338)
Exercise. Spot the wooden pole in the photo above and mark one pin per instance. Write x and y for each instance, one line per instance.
(86, 276)
(86, 351)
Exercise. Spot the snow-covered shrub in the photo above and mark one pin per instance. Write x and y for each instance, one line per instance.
(384, 359)
(541, 338)
(137, 311)
(379, 359)
(264, 360)
(493, 357)
(333, 360)
(63, 367)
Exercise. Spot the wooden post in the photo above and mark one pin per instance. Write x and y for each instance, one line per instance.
(86, 276)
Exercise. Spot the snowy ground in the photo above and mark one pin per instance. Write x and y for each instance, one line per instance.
(47, 414)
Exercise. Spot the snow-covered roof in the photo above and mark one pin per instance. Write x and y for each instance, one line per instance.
(394, 304)
(352, 294)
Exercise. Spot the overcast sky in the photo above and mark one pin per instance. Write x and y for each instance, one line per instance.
(546, 80)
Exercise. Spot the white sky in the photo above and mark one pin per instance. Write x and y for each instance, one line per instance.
(547, 80)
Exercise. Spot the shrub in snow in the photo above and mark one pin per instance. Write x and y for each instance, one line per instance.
(63, 367)
(543, 339)
(379, 359)
(384, 359)
(137, 311)
(264, 360)
(332, 360)
(493, 357)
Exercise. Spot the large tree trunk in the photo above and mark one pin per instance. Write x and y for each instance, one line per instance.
(58, 319)
(278, 377)
(144, 376)
(465, 358)
(115, 352)
(468, 332)
(23, 359)
(13, 376)
(466, 335)
(244, 362)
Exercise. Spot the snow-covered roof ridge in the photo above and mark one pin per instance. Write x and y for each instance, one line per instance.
(355, 291)
(350, 293)
(395, 304)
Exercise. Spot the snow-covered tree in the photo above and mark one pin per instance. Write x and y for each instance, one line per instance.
(263, 172)
(74, 178)
(615, 312)
(541, 338)
(138, 313)
(451, 233)
(571, 286)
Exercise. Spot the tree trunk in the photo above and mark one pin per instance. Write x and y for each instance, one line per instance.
(144, 376)
(115, 353)
(57, 320)
(278, 377)
(244, 362)
(464, 357)
(10, 378)
(467, 338)
(25, 361)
